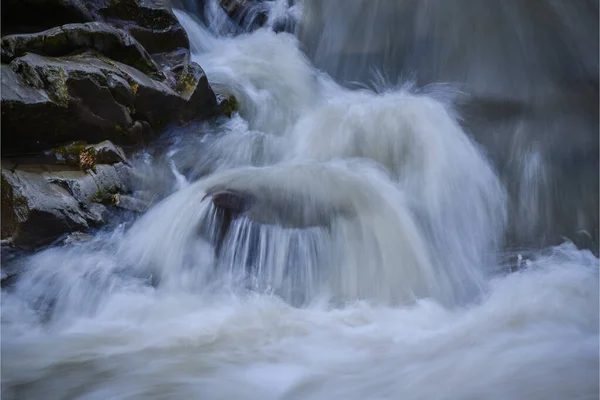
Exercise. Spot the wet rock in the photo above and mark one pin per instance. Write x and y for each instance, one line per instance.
(46, 101)
(268, 208)
(130, 203)
(67, 39)
(85, 156)
(77, 238)
(247, 13)
(107, 153)
(233, 202)
(40, 203)
(36, 212)
(151, 22)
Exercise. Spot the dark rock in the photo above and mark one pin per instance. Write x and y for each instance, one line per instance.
(233, 202)
(40, 203)
(151, 22)
(247, 13)
(68, 154)
(121, 90)
(161, 40)
(46, 101)
(36, 212)
(107, 153)
(174, 60)
(65, 40)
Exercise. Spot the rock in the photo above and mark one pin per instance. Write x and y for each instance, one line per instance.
(68, 154)
(40, 203)
(77, 238)
(130, 203)
(107, 153)
(76, 153)
(46, 101)
(36, 212)
(247, 13)
(67, 39)
(151, 22)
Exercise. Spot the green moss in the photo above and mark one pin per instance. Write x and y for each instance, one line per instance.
(56, 84)
(106, 196)
(118, 129)
(229, 106)
(186, 84)
(69, 154)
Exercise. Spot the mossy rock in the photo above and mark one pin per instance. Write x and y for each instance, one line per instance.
(65, 40)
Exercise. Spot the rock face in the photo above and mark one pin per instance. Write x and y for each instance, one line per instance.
(119, 71)
(79, 72)
(248, 13)
(47, 101)
(41, 202)
(67, 39)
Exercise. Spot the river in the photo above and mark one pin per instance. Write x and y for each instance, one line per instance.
(369, 260)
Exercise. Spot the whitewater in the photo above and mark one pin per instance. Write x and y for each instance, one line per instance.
(324, 242)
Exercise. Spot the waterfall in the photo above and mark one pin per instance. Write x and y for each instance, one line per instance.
(344, 233)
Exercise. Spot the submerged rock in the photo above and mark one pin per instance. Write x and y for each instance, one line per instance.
(247, 13)
(77, 238)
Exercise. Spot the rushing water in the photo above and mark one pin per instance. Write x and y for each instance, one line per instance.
(366, 262)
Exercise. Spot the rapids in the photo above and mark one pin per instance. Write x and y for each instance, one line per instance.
(367, 259)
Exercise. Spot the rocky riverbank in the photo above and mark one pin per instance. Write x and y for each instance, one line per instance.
(81, 81)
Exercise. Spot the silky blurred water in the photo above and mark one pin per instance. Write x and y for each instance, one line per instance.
(369, 263)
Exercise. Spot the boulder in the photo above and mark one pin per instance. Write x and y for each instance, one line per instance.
(35, 212)
(248, 13)
(74, 154)
(130, 203)
(77, 238)
(47, 101)
(67, 39)
(41, 203)
(107, 153)
(151, 22)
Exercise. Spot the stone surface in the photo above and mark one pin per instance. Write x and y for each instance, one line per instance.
(67, 39)
(151, 22)
(247, 13)
(47, 101)
(40, 203)
(35, 212)
(107, 153)
(73, 73)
